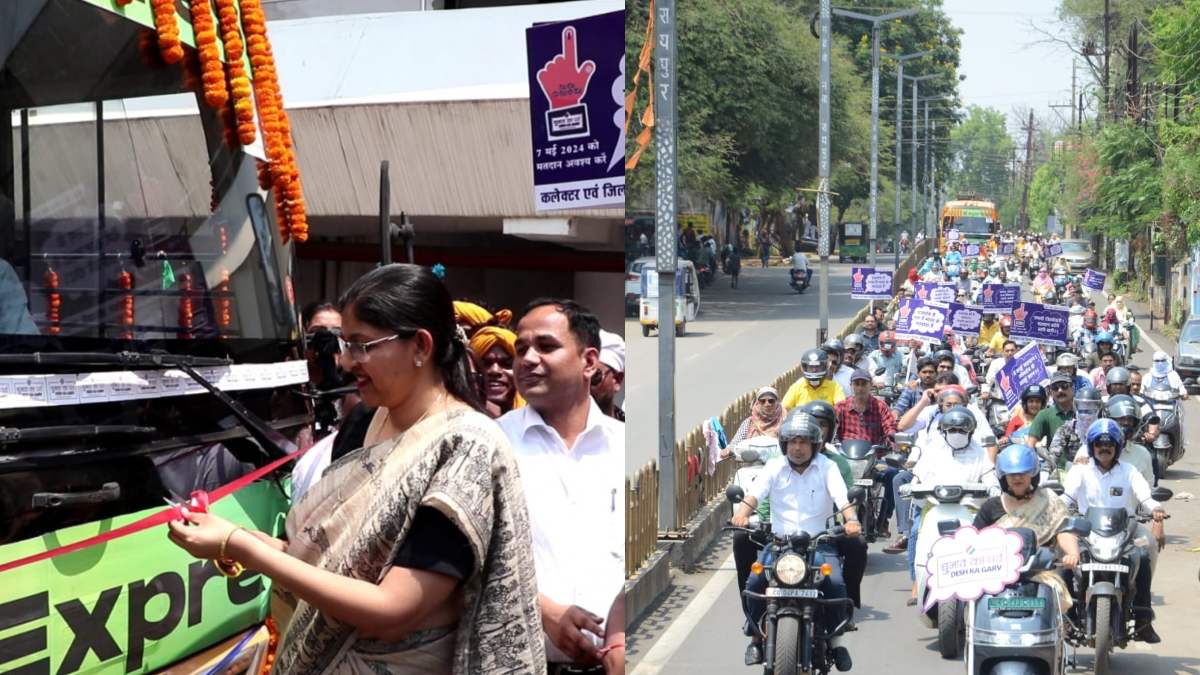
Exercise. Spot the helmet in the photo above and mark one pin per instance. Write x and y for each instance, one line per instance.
(951, 391)
(942, 355)
(815, 365)
(1049, 297)
(887, 341)
(1105, 430)
(1006, 321)
(957, 420)
(1017, 458)
(834, 346)
(1060, 271)
(1089, 314)
(1122, 405)
(1105, 336)
(1117, 375)
(1066, 360)
(1034, 391)
(822, 410)
(1088, 399)
(799, 424)
(854, 340)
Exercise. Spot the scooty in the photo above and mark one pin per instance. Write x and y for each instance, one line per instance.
(1168, 445)
(1103, 588)
(1020, 629)
(793, 639)
(867, 467)
(752, 455)
(947, 508)
(800, 279)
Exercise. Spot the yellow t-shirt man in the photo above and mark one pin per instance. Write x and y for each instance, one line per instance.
(802, 392)
(997, 342)
(986, 332)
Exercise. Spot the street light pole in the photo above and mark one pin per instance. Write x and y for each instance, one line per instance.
(823, 172)
(900, 61)
(913, 177)
(666, 191)
(873, 234)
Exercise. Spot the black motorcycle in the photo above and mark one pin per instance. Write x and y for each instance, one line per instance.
(868, 467)
(799, 280)
(793, 640)
(1103, 586)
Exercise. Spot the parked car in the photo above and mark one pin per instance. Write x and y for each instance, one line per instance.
(1077, 254)
(633, 284)
(1187, 352)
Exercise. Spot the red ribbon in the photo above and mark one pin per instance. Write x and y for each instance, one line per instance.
(200, 501)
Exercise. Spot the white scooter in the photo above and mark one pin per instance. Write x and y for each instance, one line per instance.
(946, 507)
(752, 455)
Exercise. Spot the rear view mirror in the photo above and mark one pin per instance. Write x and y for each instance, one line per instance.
(735, 494)
(1161, 494)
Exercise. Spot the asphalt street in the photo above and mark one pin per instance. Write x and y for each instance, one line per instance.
(696, 628)
(742, 339)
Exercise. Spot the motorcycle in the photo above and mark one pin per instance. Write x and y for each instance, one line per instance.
(889, 392)
(948, 507)
(705, 274)
(868, 468)
(1168, 445)
(799, 279)
(1103, 587)
(1020, 629)
(793, 640)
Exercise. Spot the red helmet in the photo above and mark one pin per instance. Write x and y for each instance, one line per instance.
(1006, 321)
(1089, 318)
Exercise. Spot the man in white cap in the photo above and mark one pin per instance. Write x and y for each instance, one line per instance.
(610, 376)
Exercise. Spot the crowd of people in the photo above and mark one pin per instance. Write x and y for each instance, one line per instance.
(1091, 427)
(464, 513)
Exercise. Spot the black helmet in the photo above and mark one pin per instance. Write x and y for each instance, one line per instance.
(1117, 375)
(1034, 391)
(823, 410)
(834, 346)
(799, 424)
(958, 419)
(815, 366)
(943, 355)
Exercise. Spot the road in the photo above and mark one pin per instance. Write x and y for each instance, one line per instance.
(696, 629)
(743, 338)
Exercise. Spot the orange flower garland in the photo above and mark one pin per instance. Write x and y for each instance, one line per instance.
(239, 82)
(213, 72)
(125, 283)
(168, 30)
(225, 301)
(186, 309)
(53, 301)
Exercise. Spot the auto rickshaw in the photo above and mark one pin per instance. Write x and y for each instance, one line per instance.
(687, 298)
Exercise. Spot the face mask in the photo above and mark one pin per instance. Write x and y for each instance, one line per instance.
(1085, 419)
(958, 440)
(1161, 368)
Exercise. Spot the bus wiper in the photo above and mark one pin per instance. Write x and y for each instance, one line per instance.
(271, 440)
(10, 435)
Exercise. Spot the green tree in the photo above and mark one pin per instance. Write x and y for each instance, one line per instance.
(981, 149)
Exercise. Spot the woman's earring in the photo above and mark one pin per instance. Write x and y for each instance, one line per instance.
(417, 362)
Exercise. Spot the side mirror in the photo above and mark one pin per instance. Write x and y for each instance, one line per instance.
(1077, 526)
(735, 494)
(856, 494)
(1161, 494)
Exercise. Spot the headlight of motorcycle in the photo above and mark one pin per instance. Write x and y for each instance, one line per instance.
(1104, 549)
(789, 569)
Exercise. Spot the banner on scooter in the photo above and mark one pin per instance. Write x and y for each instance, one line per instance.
(1001, 297)
(868, 283)
(936, 291)
(1094, 281)
(920, 320)
(971, 562)
(1044, 324)
(1025, 368)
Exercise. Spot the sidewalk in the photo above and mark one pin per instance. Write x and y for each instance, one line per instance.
(1141, 314)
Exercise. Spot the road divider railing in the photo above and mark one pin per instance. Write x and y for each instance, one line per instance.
(698, 479)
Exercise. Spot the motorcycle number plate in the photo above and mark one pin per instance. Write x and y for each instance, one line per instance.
(1104, 567)
(774, 592)
(1016, 603)
(864, 482)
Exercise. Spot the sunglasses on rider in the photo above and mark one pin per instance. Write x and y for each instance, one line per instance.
(1059, 386)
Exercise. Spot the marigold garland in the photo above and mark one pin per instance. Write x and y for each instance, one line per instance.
(186, 308)
(53, 301)
(225, 301)
(168, 30)
(125, 283)
(212, 70)
(239, 81)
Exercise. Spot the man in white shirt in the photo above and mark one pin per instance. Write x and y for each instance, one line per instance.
(1163, 376)
(572, 458)
(1010, 350)
(804, 488)
(1107, 482)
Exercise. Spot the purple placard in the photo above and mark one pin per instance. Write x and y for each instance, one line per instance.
(936, 291)
(964, 319)
(918, 320)
(1000, 297)
(1051, 250)
(577, 111)
(971, 251)
(1025, 368)
(1044, 324)
(868, 283)
(1093, 280)
(1007, 248)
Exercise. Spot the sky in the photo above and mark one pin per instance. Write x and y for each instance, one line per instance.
(1008, 64)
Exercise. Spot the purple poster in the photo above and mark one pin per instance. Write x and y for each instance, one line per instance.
(1093, 280)
(936, 291)
(1000, 297)
(964, 319)
(971, 251)
(1025, 368)
(868, 283)
(577, 109)
(1007, 248)
(1044, 324)
(918, 320)
(1051, 250)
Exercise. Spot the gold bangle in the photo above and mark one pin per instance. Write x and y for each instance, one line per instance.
(225, 542)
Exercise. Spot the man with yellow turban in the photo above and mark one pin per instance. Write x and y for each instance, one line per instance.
(472, 317)
(493, 350)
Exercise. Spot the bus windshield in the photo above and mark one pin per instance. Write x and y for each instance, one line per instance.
(972, 225)
(127, 216)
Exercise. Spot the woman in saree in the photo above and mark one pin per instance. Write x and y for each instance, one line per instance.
(413, 553)
(766, 414)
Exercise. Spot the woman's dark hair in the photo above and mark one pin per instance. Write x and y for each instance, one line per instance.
(400, 298)
(580, 321)
(312, 309)
(947, 377)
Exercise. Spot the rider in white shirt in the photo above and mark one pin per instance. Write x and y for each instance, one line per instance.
(1162, 373)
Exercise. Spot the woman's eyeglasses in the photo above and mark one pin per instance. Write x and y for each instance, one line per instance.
(768, 401)
(361, 351)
